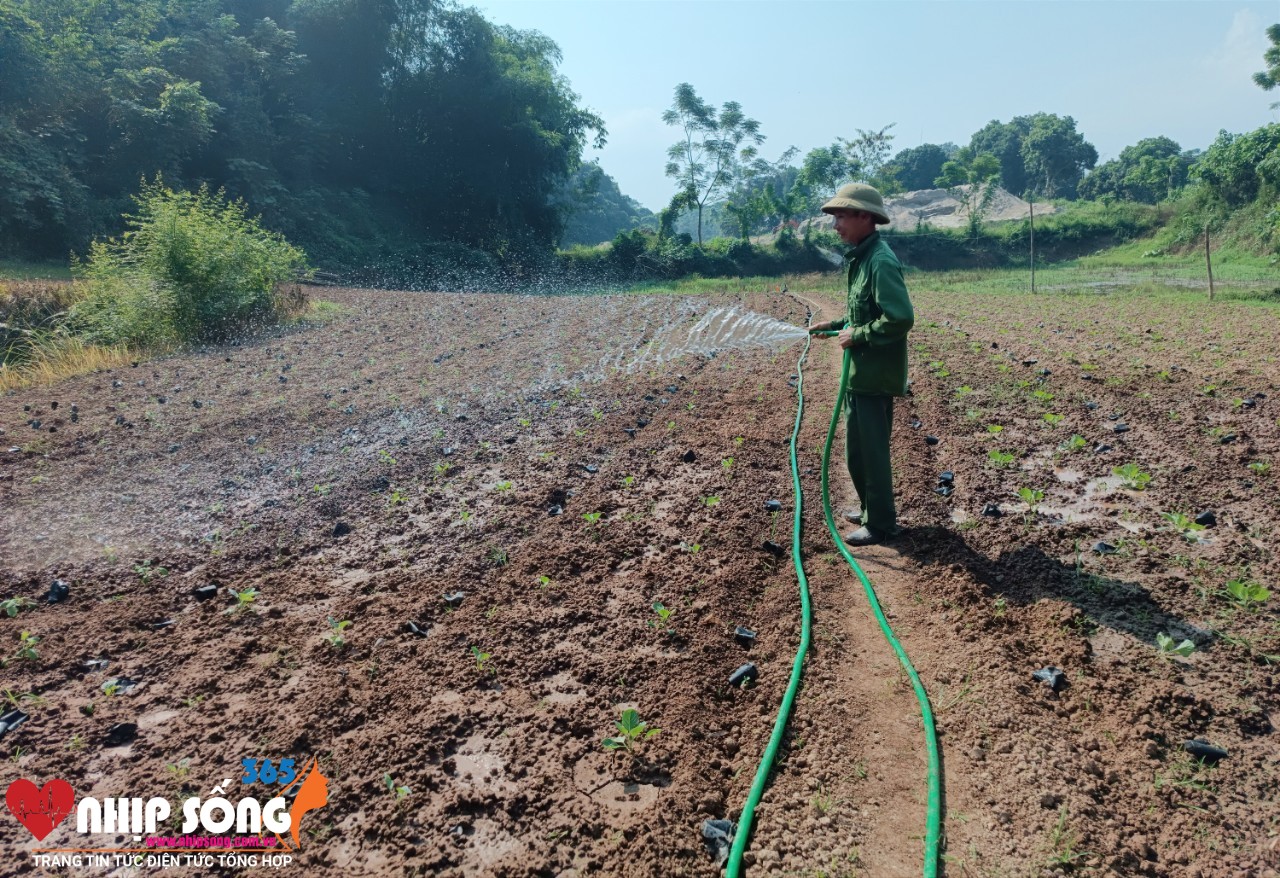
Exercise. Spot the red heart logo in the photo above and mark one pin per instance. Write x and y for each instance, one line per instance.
(40, 809)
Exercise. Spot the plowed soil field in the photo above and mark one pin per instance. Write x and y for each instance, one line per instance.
(452, 538)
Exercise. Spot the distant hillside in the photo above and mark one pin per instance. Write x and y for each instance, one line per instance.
(596, 210)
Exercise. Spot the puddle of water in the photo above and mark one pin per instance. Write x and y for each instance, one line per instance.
(1069, 476)
(489, 844)
(476, 764)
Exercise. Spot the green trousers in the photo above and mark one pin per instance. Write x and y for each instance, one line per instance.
(868, 423)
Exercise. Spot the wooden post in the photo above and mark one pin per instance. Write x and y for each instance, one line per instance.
(1032, 205)
(1207, 263)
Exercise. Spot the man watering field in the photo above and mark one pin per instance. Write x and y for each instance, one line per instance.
(874, 333)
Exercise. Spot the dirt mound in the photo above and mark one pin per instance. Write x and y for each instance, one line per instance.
(940, 209)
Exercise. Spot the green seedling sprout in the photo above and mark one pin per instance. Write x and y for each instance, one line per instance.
(385, 457)
(664, 616)
(1167, 647)
(145, 571)
(544, 582)
(335, 639)
(1246, 593)
(502, 487)
(482, 660)
(1053, 419)
(592, 517)
(397, 790)
(244, 600)
(1000, 458)
(1260, 467)
(1075, 443)
(632, 730)
(1032, 497)
(13, 606)
(1132, 477)
(995, 429)
(710, 501)
(26, 649)
(1183, 525)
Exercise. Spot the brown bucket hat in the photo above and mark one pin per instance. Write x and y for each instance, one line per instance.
(859, 196)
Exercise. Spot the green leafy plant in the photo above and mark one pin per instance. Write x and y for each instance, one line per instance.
(664, 617)
(628, 481)
(631, 731)
(995, 429)
(482, 658)
(1041, 395)
(26, 648)
(396, 498)
(13, 606)
(710, 501)
(190, 267)
(1245, 593)
(545, 582)
(1183, 525)
(1000, 458)
(335, 638)
(1053, 419)
(1132, 477)
(1167, 647)
(398, 790)
(592, 517)
(1260, 467)
(502, 487)
(145, 571)
(385, 457)
(964, 390)
(1075, 443)
(727, 465)
(1032, 497)
(244, 600)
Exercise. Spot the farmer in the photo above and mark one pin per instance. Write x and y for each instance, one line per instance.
(875, 335)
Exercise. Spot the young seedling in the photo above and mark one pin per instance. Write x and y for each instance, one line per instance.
(1183, 525)
(26, 648)
(397, 790)
(145, 571)
(632, 730)
(482, 660)
(1053, 419)
(13, 606)
(1260, 467)
(1168, 648)
(396, 498)
(1000, 458)
(1075, 443)
(1246, 593)
(592, 517)
(502, 487)
(244, 601)
(994, 429)
(727, 464)
(710, 501)
(664, 615)
(545, 582)
(385, 458)
(335, 639)
(1132, 477)
(1032, 497)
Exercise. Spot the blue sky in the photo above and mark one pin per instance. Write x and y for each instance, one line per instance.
(814, 70)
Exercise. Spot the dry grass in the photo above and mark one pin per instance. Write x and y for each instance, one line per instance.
(33, 350)
(61, 356)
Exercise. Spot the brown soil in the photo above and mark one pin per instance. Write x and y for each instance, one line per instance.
(414, 447)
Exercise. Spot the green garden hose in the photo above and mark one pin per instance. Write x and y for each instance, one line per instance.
(933, 817)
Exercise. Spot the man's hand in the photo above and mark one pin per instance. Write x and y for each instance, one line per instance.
(820, 327)
(846, 337)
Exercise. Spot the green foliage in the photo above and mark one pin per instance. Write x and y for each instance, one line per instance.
(1246, 593)
(1150, 171)
(1000, 458)
(1132, 477)
(192, 267)
(1032, 497)
(482, 660)
(335, 638)
(398, 790)
(12, 606)
(1167, 647)
(245, 598)
(631, 731)
(713, 144)
(1183, 525)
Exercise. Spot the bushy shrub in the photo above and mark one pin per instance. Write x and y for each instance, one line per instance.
(189, 267)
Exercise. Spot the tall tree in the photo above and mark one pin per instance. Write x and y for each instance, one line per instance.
(1270, 77)
(971, 179)
(705, 161)
(1055, 155)
(919, 166)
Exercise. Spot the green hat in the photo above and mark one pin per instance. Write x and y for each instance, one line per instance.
(859, 196)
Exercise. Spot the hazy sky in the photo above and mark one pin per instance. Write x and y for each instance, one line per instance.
(814, 70)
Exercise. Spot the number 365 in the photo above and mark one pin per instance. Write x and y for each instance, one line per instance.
(267, 772)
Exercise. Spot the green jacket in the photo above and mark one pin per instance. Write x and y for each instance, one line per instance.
(880, 313)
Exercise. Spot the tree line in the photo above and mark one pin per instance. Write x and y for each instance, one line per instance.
(357, 128)
(723, 181)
